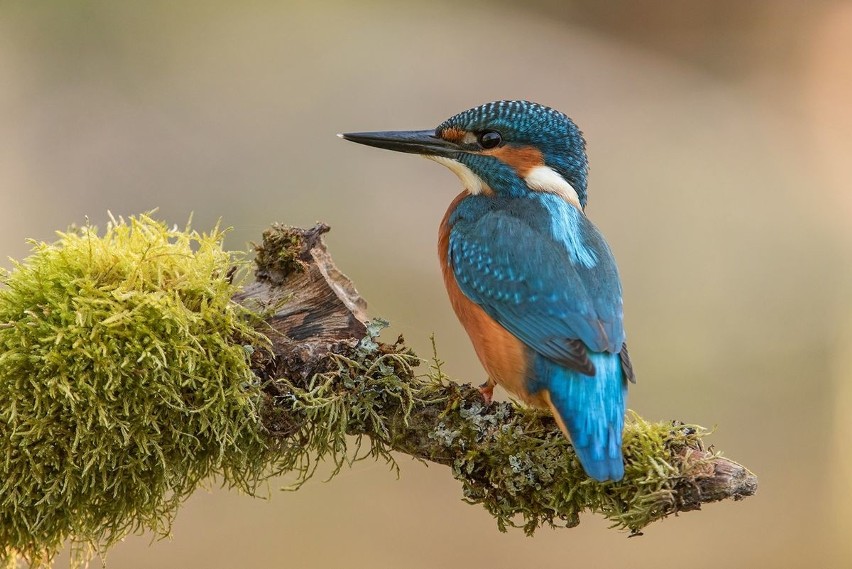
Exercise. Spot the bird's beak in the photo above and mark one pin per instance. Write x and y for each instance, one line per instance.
(412, 141)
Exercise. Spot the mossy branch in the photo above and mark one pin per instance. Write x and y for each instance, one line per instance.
(132, 368)
(513, 460)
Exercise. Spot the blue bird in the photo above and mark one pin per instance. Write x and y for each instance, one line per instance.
(531, 279)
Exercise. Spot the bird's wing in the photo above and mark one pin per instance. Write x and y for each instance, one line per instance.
(555, 287)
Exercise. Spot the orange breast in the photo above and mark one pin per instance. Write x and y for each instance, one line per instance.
(503, 356)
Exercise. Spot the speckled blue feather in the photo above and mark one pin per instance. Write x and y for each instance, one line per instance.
(542, 270)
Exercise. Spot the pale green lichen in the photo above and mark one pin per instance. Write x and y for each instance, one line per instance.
(124, 381)
(526, 475)
(513, 461)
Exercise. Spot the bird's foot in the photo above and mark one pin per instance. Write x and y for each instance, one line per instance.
(487, 391)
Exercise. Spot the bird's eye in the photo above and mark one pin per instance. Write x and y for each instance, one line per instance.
(490, 139)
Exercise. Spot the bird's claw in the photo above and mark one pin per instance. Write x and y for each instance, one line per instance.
(487, 391)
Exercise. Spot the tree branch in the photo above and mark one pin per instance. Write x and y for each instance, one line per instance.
(327, 378)
(125, 382)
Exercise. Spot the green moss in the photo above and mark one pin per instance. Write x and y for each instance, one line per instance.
(124, 381)
(279, 251)
(350, 411)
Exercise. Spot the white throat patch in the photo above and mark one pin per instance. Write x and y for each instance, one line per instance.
(546, 179)
(471, 182)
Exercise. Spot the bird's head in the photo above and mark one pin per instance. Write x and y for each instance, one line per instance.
(507, 148)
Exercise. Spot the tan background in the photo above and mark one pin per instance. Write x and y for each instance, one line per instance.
(720, 139)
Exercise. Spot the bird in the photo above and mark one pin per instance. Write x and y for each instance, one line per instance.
(531, 279)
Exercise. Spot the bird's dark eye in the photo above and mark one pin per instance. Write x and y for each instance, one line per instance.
(490, 139)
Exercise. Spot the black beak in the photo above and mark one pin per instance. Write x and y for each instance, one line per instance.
(411, 141)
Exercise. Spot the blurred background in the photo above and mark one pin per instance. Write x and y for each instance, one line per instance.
(719, 134)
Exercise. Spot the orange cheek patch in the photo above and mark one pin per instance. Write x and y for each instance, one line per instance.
(453, 134)
(521, 158)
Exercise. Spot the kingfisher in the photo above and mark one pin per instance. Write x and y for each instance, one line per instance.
(530, 278)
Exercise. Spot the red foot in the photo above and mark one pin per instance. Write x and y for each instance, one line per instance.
(487, 391)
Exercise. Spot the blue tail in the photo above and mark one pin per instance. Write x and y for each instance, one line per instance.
(592, 409)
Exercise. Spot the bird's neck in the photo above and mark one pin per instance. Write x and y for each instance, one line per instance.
(513, 176)
(546, 179)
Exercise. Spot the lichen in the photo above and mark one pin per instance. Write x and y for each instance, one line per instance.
(513, 461)
(124, 381)
(341, 414)
(526, 474)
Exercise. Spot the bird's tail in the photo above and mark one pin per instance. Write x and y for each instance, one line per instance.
(590, 410)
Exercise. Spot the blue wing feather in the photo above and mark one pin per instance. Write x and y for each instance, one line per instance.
(592, 411)
(540, 268)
